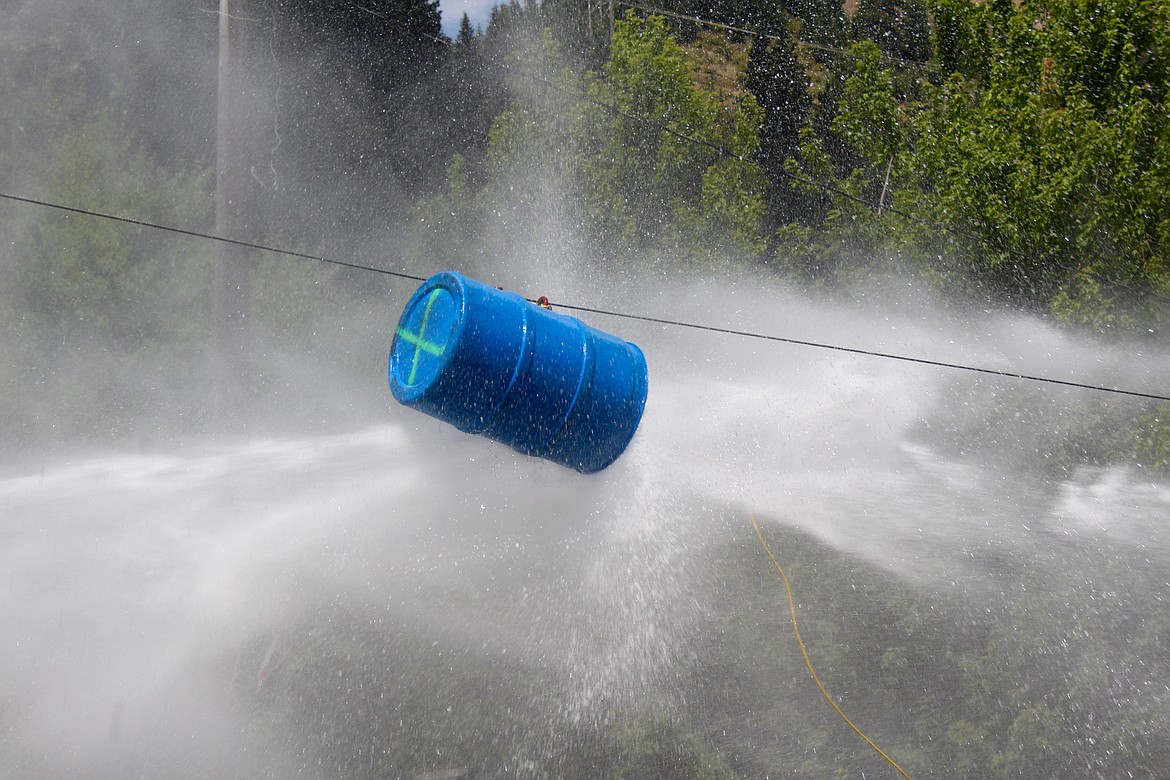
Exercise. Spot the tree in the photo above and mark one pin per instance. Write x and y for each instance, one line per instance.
(1046, 146)
(640, 160)
(822, 22)
(475, 94)
(580, 29)
(363, 117)
(900, 28)
(386, 45)
(99, 313)
(780, 84)
(679, 179)
(1062, 166)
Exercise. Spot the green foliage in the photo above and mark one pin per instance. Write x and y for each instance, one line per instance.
(900, 29)
(91, 301)
(1049, 667)
(572, 161)
(959, 42)
(536, 150)
(579, 30)
(1022, 679)
(1084, 302)
(78, 275)
(393, 40)
(444, 226)
(353, 110)
(820, 21)
(733, 221)
(1151, 435)
(1053, 433)
(674, 192)
(651, 169)
(870, 120)
(1045, 145)
(371, 701)
(779, 82)
(291, 298)
(658, 745)
(531, 189)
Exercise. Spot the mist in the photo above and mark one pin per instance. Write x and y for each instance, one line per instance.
(149, 591)
(328, 584)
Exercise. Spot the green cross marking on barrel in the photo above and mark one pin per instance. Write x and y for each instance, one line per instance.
(419, 342)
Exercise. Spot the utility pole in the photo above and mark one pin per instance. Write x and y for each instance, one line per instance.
(605, 16)
(232, 263)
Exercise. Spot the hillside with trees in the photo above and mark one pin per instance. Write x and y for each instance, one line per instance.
(1003, 154)
(1008, 152)
(1009, 155)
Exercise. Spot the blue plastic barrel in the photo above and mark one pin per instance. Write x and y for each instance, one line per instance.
(490, 362)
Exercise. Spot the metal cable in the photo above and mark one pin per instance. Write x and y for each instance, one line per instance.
(592, 310)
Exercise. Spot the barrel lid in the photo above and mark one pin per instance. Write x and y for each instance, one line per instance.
(425, 339)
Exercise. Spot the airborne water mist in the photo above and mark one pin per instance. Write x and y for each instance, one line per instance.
(216, 610)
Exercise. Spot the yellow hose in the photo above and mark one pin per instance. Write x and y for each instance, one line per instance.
(804, 652)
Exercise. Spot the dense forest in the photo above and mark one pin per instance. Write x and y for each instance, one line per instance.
(1006, 154)
(1007, 151)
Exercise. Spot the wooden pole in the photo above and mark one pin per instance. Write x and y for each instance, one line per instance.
(232, 267)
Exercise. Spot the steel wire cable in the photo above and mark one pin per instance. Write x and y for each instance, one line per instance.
(589, 309)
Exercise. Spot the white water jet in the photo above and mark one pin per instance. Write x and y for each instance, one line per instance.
(137, 591)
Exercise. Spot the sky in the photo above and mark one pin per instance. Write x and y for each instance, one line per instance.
(477, 10)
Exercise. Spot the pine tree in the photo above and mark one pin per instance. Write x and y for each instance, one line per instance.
(475, 97)
(821, 21)
(900, 28)
(365, 120)
(780, 84)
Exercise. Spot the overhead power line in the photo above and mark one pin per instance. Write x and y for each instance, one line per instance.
(859, 351)
(704, 22)
(205, 236)
(576, 307)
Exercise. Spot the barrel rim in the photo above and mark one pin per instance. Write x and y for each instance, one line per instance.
(451, 283)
